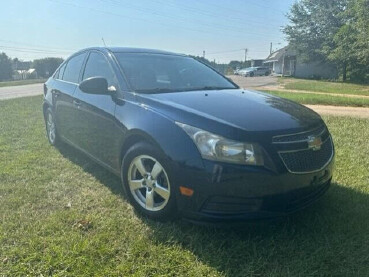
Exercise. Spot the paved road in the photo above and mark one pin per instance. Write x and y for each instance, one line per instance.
(20, 91)
(254, 82)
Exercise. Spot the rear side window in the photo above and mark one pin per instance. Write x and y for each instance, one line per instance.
(73, 68)
(59, 74)
(98, 66)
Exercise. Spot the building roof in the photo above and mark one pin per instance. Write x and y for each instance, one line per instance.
(278, 55)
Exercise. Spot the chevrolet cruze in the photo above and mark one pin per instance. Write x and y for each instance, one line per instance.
(185, 140)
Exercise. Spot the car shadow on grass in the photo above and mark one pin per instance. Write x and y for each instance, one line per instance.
(328, 238)
(88, 165)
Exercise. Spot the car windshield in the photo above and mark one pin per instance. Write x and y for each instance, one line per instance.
(160, 73)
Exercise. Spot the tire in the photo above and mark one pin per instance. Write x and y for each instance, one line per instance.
(266, 73)
(51, 132)
(146, 180)
(252, 74)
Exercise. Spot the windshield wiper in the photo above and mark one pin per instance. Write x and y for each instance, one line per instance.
(155, 90)
(211, 88)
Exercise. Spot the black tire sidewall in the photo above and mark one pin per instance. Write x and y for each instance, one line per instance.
(143, 148)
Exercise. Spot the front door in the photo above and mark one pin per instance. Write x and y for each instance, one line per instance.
(99, 132)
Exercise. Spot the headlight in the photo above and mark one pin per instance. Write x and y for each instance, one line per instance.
(214, 147)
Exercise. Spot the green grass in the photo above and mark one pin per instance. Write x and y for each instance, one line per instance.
(21, 82)
(41, 234)
(321, 99)
(324, 86)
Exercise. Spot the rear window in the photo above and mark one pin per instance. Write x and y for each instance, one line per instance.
(73, 68)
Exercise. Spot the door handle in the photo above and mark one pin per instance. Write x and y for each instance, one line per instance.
(77, 103)
(56, 93)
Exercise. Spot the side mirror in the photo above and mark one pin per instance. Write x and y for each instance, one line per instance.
(95, 85)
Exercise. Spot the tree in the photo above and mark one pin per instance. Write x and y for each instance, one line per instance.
(333, 31)
(6, 71)
(47, 66)
(313, 25)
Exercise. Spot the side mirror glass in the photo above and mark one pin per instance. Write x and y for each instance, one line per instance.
(96, 85)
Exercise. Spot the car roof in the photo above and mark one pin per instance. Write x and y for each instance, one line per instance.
(131, 50)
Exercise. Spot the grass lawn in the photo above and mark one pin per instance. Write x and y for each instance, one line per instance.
(63, 215)
(323, 86)
(21, 82)
(321, 99)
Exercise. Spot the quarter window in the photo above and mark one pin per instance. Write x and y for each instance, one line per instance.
(98, 66)
(59, 74)
(73, 68)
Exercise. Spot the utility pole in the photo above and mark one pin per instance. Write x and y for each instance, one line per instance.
(203, 54)
(245, 54)
(271, 47)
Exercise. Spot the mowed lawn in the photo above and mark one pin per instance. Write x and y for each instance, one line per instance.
(321, 99)
(63, 215)
(323, 86)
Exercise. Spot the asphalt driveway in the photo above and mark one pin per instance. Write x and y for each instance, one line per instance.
(254, 82)
(20, 91)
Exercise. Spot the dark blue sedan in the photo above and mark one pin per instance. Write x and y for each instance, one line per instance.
(185, 140)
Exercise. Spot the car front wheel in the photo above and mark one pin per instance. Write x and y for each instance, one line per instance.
(147, 183)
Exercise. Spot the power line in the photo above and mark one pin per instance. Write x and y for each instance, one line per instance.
(232, 28)
(176, 27)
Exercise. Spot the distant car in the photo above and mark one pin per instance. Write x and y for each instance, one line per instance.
(241, 71)
(255, 71)
(185, 140)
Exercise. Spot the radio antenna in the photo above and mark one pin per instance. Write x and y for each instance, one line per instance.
(103, 41)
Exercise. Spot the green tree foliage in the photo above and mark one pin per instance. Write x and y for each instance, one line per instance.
(5, 67)
(47, 66)
(333, 31)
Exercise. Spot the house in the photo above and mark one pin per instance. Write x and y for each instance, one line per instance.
(25, 74)
(286, 62)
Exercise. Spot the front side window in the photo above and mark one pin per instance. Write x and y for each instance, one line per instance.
(154, 73)
(73, 68)
(98, 66)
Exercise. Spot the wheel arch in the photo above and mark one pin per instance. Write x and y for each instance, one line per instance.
(135, 136)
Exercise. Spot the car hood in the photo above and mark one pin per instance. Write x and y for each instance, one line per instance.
(242, 109)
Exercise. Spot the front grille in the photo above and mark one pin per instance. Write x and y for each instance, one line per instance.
(308, 160)
(299, 153)
(320, 131)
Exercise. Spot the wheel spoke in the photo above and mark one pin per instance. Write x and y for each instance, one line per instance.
(156, 170)
(136, 184)
(149, 199)
(163, 192)
(140, 167)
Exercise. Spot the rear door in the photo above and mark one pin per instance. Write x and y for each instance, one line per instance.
(67, 79)
(99, 133)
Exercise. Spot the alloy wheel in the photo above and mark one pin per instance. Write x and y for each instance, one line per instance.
(148, 183)
(50, 128)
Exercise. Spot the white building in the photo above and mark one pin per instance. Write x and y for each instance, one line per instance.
(285, 62)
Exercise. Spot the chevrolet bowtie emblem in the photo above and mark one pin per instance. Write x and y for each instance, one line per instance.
(314, 143)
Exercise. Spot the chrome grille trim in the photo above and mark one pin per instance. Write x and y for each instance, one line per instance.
(308, 133)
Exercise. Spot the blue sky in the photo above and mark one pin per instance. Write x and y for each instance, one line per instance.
(35, 29)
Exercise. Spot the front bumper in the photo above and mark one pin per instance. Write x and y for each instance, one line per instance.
(224, 192)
